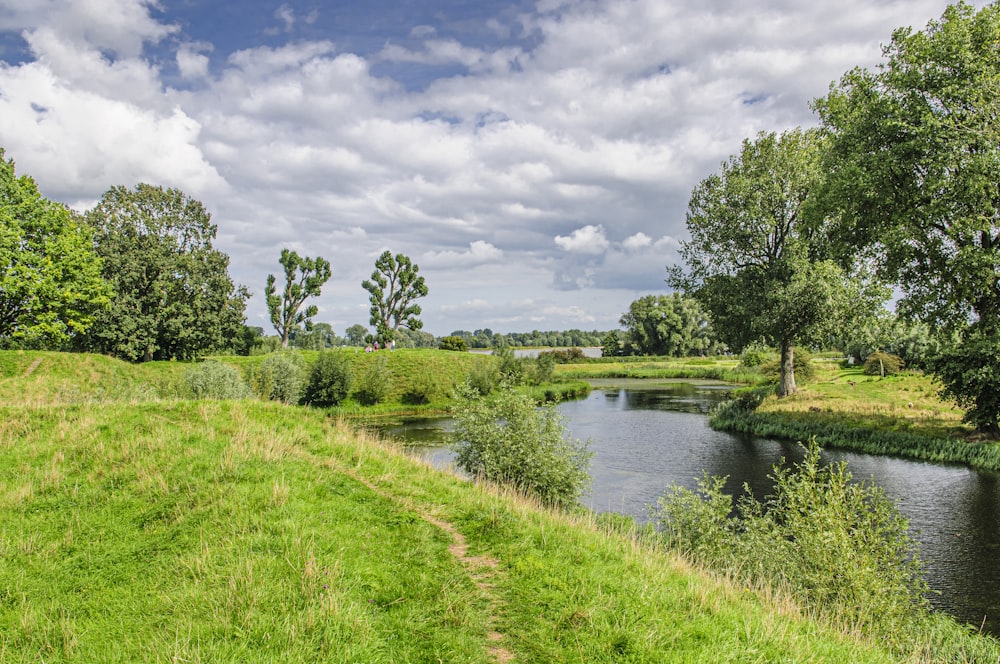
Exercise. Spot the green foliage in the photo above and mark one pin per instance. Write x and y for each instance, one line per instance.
(668, 325)
(173, 297)
(771, 370)
(564, 355)
(838, 546)
(393, 287)
(50, 278)
(969, 372)
(611, 345)
(454, 343)
(503, 437)
(304, 278)
(355, 335)
(281, 377)
(484, 377)
(754, 355)
(421, 389)
(883, 364)
(215, 380)
(329, 379)
(375, 380)
(758, 259)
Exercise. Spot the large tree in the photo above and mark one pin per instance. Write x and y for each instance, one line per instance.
(173, 297)
(756, 255)
(394, 286)
(304, 278)
(668, 325)
(50, 276)
(914, 180)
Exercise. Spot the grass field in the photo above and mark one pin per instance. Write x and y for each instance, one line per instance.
(159, 529)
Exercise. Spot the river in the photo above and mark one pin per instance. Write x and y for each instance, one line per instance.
(647, 435)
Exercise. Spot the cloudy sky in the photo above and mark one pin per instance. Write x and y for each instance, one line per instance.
(534, 158)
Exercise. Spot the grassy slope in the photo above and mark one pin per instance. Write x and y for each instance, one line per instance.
(248, 531)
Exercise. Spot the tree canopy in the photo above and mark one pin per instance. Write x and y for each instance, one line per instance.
(914, 182)
(173, 297)
(393, 288)
(756, 258)
(304, 278)
(668, 325)
(50, 277)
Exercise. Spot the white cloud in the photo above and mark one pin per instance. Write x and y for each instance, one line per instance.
(638, 241)
(479, 252)
(586, 240)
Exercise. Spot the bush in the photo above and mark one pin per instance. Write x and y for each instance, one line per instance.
(330, 380)
(421, 390)
(839, 547)
(280, 377)
(970, 374)
(883, 364)
(484, 377)
(754, 355)
(375, 381)
(503, 437)
(454, 343)
(802, 361)
(564, 355)
(215, 380)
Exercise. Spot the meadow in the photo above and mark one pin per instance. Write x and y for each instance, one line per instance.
(139, 526)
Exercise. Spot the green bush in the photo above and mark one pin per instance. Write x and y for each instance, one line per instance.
(280, 377)
(484, 377)
(839, 547)
(421, 390)
(754, 355)
(454, 343)
(564, 355)
(503, 437)
(802, 361)
(375, 381)
(970, 374)
(329, 380)
(215, 380)
(883, 364)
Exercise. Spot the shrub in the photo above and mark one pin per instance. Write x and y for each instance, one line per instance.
(330, 380)
(280, 377)
(421, 390)
(754, 355)
(215, 380)
(484, 377)
(544, 365)
(970, 374)
(375, 381)
(883, 364)
(454, 343)
(839, 547)
(802, 361)
(503, 437)
(563, 355)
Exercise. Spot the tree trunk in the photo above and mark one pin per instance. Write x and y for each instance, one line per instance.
(787, 385)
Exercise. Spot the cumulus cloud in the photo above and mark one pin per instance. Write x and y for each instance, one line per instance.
(586, 240)
(538, 171)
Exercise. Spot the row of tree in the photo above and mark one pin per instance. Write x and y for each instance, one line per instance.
(138, 277)
(797, 236)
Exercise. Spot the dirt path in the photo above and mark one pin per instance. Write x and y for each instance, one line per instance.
(481, 569)
(34, 365)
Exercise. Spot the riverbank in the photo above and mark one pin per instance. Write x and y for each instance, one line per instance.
(254, 531)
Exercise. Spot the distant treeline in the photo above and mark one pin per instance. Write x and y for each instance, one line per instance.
(487, 338)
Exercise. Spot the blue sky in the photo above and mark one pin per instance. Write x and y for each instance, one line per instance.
(534, 158)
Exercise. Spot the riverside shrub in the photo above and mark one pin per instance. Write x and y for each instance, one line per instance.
(329, 380)
(504, 438)
(883, 364)
(839, 547)
(374, 382)
(215, 380)
(280, 377)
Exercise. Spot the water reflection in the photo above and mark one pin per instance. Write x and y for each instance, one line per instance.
(646, 438)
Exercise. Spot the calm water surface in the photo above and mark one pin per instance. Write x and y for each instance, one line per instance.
(647, 436)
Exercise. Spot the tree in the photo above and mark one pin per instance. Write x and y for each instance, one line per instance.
(173, 297)
(355, 335)
(50, 278)
(914, 182)
(394, 285)
(755, 257)
(668, 325)
(304, 277)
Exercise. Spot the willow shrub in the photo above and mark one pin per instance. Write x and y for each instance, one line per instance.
(504, 437)
(329, 380)
(215, 380)
(839, 547)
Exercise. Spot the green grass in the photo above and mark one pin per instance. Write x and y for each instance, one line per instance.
(255, 532)
(697, 368)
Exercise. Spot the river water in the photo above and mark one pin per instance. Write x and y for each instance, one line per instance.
(648, 435)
